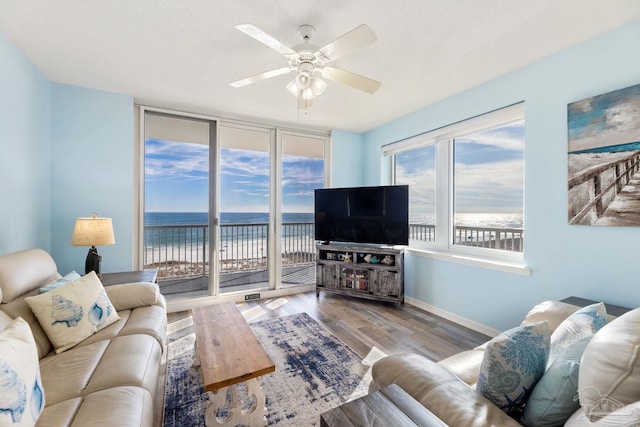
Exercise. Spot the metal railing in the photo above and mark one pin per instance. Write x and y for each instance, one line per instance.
(183, 250)
(507, 239)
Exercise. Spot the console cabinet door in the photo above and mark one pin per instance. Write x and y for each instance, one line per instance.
(327, 276)
(387, 283)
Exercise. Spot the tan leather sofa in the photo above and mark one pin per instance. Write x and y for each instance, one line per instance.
(447, 388)
(111, 377)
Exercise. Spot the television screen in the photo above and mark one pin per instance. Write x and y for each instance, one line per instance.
(363, 214)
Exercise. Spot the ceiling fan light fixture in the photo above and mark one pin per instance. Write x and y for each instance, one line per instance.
(307, 87)
(292, 87)
(318, 86)
(303, 80)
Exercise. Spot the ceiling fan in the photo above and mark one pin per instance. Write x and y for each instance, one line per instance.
(310, 61)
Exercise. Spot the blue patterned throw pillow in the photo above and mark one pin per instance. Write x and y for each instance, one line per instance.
(582, 323)
(513, 362)
(21, 393)
(70, 277)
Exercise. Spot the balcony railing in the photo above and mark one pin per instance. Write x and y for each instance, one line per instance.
(183, 250)
(507, 239)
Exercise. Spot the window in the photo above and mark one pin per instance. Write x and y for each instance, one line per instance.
(466, 185)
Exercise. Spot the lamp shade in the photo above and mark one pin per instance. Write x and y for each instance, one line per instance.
(93, 231)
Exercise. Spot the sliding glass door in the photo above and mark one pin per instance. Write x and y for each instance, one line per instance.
(176, 202)
(228, 206)
(244, 202)
(302, 169)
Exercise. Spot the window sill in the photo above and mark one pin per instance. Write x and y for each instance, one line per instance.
(499, 265)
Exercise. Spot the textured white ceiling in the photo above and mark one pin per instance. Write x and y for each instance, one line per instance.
(183, 54)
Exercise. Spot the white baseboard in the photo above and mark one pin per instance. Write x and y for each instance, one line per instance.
(478, 327)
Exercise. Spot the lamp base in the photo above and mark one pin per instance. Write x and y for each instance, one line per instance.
(93, 261)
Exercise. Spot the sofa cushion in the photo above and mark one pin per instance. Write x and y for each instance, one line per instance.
(5, 320)
(581, 323)
(69, 277)
(133, 360)
(512, 364)
(555, 397)
(20, 308)
(622, 415)
(73, 311)
(21, 392)
(24, 271)
(118, 406)
(552, 312)
(610, 370)
(465, 365)
(448, 398)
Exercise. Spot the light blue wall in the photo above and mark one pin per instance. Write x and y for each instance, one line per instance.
(92, 171)
(588, 261)
(347, 159)
(25, 152)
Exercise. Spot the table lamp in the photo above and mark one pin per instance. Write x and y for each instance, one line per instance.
(93, 232)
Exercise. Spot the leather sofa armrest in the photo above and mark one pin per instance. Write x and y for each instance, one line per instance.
(440, 391)
(128, 296)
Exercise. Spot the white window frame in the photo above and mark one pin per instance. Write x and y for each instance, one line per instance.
(442, 138)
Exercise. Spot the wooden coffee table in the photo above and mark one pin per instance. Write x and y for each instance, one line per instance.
(229, 353)
(390, 406)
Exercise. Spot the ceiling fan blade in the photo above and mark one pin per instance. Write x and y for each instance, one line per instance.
(354, 39)
(351, 79)
(261, 76)
(255, 32)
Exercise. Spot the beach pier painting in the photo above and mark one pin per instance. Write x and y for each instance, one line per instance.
(604, 159)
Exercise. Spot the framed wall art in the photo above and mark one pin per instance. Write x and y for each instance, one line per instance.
(604, 159)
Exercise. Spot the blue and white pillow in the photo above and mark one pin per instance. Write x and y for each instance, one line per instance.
(74, 311)
(580, 324)
(513, 363)
(70, 277)
(21, 393)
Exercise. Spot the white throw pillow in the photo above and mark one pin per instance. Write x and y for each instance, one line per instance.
(21, 392)
(74, 311)
(582, 323)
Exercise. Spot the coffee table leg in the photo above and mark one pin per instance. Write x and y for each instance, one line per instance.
(253, 416)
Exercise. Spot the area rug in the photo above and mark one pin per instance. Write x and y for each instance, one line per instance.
(315, 372)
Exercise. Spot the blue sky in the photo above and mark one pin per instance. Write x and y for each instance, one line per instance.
(612, 112)
(489, 176)
(176, 179)
(489, 171)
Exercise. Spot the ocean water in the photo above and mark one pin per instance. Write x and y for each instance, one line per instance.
(191, 218)
(249, 234)
(488, 220)
(492, 220)
(249, 227)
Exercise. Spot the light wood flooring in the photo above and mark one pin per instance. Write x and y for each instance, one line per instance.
(365, 326)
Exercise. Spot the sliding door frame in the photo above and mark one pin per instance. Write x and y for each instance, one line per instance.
(275, 204)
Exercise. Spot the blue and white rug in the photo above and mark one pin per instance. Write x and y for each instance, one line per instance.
(315, 372)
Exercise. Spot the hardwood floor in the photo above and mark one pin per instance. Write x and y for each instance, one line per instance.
(365, 326)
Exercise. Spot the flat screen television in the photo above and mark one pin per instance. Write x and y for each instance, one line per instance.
(363, 214)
